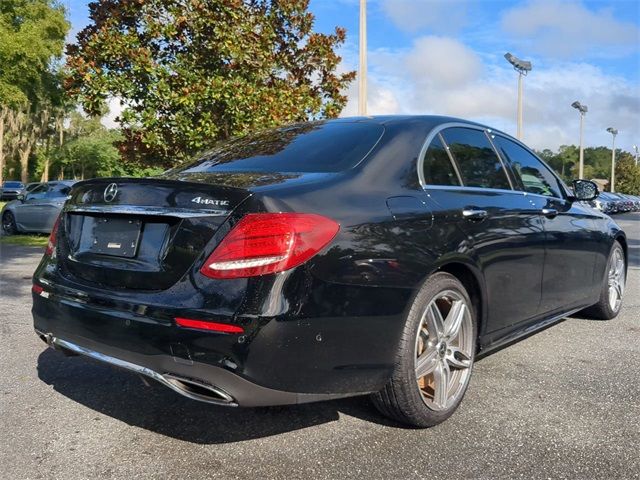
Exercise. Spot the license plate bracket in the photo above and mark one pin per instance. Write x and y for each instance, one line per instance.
(117, 237)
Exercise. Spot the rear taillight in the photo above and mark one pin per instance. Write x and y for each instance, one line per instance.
(263, 243)
(53, 238)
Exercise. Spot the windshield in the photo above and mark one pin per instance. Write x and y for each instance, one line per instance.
(311, 147)
(12, 185)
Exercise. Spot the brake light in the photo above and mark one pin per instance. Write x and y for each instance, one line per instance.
(263, 243)
(211, 326)
(53, 238)
(37, 289)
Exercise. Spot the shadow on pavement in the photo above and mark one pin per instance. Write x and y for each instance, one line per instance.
(16, 268)
(123, 396)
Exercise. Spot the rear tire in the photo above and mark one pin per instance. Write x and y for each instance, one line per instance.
(435, 356)
(613, 284)
(9, 224)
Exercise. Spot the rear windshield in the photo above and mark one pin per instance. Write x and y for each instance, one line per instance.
(12, 184)
(311, 147)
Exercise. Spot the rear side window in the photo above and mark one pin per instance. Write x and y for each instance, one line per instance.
(477, 162)
(535, 177)
(60, 191)
(438, 169)
(310, 147)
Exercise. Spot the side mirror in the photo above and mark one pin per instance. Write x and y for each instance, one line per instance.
(584, 190)
(20, 197)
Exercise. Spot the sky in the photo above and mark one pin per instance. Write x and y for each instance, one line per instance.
(447, 57)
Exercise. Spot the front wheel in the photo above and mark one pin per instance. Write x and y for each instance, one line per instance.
(612, 289)
(9, 223)
(435, 357)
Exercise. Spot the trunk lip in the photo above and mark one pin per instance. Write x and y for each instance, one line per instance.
(147, 211)
(154, 180)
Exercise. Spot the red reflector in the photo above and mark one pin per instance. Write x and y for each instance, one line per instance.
(212, 326)
(37, 289)
(263, 243)
(53, 238)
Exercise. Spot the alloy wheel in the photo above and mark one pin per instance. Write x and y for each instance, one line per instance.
(8, 223)
(444, 350)
(616, 279)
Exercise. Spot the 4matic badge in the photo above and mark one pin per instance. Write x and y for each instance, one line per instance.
(210, 201)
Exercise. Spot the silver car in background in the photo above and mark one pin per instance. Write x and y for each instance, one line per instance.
(37, 210)
(10, 190)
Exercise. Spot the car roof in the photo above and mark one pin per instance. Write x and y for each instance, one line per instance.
(62, 182)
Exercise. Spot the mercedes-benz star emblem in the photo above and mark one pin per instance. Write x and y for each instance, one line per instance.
(110, 192)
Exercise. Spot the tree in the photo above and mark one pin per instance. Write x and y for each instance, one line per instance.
(89, 150)
(627, 174)
(192, 72)
(32, 34)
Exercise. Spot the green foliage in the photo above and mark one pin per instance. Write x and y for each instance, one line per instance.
(32, 33)
(597, 164)
(90, 150)
(192, 72)
(627, 175)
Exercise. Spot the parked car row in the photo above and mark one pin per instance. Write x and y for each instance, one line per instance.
(610, 203)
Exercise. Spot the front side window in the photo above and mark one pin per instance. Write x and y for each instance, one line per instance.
(39, 189)
(477, 161)
(438, 169)
(535, 177)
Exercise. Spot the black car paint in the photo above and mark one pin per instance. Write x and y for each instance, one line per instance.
(331, 326)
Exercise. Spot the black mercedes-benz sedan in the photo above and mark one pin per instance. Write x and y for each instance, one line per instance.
(328, 259)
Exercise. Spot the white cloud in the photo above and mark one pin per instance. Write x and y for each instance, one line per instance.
(429, 79)
(115, 109)
(436, 15)
(430, 54)
(563, 29)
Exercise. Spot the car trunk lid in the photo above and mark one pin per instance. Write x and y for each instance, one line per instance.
(140, 233)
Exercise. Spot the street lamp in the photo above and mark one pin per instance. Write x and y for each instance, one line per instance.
(522, 67)
(635, 148)
(583, 110)
(613, 132)
(362, 77)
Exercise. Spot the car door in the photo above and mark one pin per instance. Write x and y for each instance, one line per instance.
(27, 211)
(50, 206)
(572, 240)
(504, 232)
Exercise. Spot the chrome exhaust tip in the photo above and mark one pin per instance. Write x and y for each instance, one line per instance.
(199, 390)
(192, 388)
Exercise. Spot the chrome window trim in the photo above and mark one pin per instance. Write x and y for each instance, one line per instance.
(454, 164)
(425, 146)
(506, 169)
(475, 189)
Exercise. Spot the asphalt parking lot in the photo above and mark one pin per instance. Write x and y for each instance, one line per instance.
(564, 403)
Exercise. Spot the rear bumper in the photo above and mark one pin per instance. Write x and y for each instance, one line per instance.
(200, 382)
(278, 360)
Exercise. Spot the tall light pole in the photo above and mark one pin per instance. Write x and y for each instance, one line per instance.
(362, 74)
(583, 110)
(613, 132)
(635, 148)
(522, 67)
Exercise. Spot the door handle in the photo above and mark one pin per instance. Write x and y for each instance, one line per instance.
(549, 212)
(474, 214)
